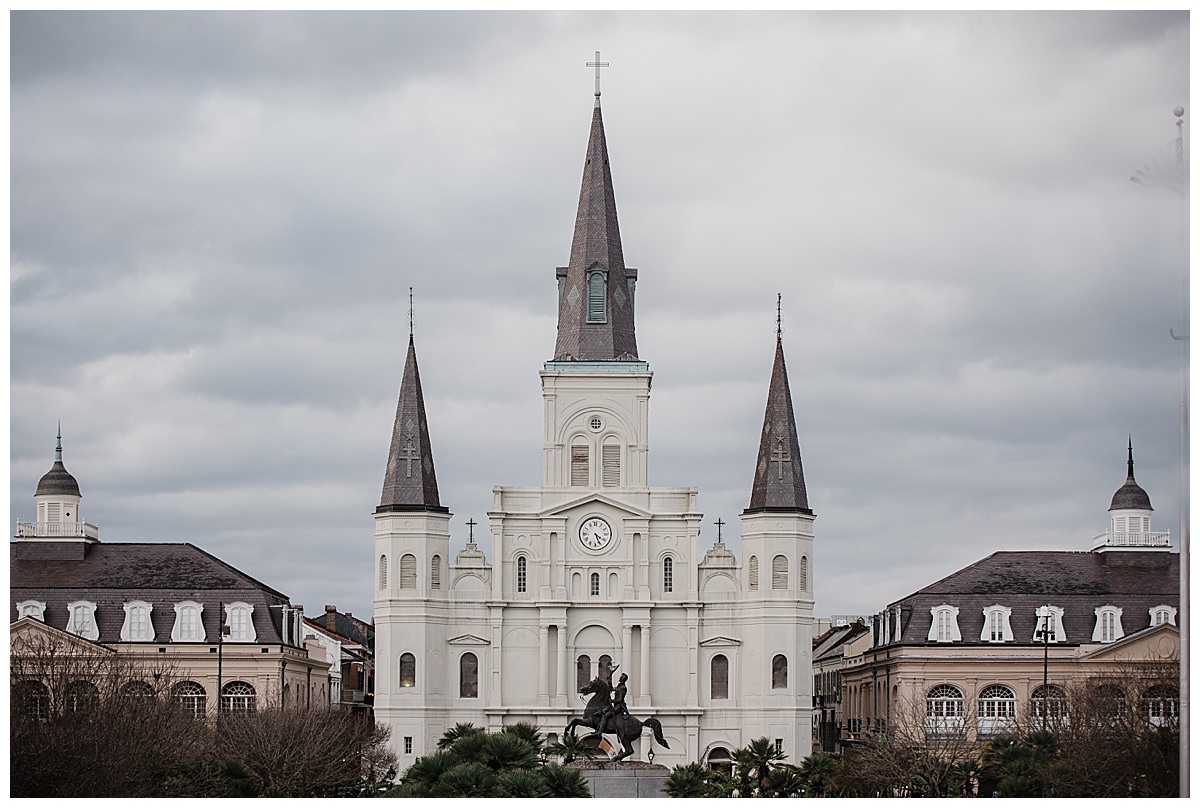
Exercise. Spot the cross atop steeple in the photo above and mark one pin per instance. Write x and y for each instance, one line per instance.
(719, 523)
(598, 64)
(471, 527)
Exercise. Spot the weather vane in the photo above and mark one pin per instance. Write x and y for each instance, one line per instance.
(597, 64)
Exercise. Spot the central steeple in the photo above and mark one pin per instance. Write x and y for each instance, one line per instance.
(596, 289)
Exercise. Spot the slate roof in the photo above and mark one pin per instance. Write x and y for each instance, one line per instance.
(1077, 582)
(831, 644)
(114, 573)
(596, 241)
(409, 482)
(344, 625)
(779, 474)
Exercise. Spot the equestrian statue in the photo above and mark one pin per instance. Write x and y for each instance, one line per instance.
(606, 714)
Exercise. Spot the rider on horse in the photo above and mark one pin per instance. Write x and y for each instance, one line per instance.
(618, 706)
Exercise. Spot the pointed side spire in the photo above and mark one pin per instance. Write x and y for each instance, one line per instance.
(1130, 496)
(779, 475)
(595, 302)
(409, 484)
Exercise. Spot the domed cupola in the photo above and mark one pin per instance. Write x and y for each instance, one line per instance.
(58, 481)
(1129, 518)
(57, 499)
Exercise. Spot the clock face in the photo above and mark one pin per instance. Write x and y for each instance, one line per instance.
(595, 533)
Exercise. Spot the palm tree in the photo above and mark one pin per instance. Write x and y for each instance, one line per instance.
(784, 781)
(526, 731)
(456, 732)
(818, 771)
(687, 782)
(563, 782)
(468, 779)
(521, 783)
(503, 751)
(569, 747)
(761, 754)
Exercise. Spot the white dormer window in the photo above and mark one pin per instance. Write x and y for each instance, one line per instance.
(996, 627)
(138, 627)
(81, 619)
(1163, 614)
(188, 625)
(238, 616)
(37, 610)
(944, 627)
(1049, 618)
(1108, 624)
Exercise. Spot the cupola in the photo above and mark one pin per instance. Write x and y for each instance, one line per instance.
(1129, 518)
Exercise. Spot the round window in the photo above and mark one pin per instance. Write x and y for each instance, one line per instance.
(596, 423)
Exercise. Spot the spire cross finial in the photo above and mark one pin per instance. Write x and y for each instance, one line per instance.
(58, 445)
(598, 64)
(779, 315)
(471, 526)
(410, 313)
(1131, 457)
(719, 523)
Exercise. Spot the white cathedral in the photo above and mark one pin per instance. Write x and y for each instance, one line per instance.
(594, 567)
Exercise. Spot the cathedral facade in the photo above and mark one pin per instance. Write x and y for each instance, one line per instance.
(594, 568)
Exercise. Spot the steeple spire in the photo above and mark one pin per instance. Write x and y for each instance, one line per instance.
(595, 300)
(1130, 495)
(779, 475)
(409, 484)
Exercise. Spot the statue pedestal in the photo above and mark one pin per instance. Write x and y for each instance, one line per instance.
(629, 778)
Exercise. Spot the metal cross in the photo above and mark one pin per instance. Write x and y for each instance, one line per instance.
(471, 526)
(778, 315)
(410, 454)
(410, 313)
(780, 455)
(719, 523)
(597, 64)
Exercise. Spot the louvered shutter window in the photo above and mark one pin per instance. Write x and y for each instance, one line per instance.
(720, 677)
(753, 572)
(383, 572)
(779, 572)
(803, 573)
(435, 572)
(579, 465)
(408, 572)
(596, 298)
(611, 462)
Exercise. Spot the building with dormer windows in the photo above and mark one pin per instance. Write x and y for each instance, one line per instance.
(595, 567)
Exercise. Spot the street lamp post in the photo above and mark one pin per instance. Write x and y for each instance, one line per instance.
(1044, 632)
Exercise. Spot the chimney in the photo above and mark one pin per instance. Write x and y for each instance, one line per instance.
(331, 617)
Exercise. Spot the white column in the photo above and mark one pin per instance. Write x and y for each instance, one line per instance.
(627, 649)
(561, 648)
(543, 663)
(644, 675)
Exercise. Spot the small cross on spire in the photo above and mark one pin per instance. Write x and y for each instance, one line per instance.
(778, 315)
(719, 523)
(598, 64)
(471, 526)
(410, 313)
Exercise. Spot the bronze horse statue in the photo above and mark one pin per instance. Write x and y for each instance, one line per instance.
(627, 728)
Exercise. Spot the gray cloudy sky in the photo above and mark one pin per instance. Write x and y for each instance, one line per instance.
(216, 218)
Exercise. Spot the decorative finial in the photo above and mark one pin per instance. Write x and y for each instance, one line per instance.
(719, 523)
(410, 313)
(471, 526)
(58, 446)
(1130, 456)
(779, 315)
(597, 64)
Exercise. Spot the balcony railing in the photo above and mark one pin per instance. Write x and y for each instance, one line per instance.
(1113, 539)
(57, 530)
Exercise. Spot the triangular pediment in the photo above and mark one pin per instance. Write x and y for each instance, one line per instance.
(719, 641)
(468, 639)
(594, 498)
(29, 635)
(1153, 644)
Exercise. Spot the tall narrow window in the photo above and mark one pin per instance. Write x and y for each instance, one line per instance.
(522, 575)
(779, 672)
(779, 572)
(803, 573)
(996, 626)
(1108, 624)
(719, 677)
(944, 626)
(595, 587)
(383, 572)
(668, 574)
(596, 298)
(408, 571)
(610, 461)
(241, 623)
(753, 573)
(602, 668)
(468, 676)
(435, 572)
(408, 670)
(579, 464)
(138, 627)
(583, 671)
(82, 621)
(188, 625)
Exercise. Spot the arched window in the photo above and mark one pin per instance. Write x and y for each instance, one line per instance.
(579, 462)
(408, 670)
(779, 572)
(1049, 702)
(719, 760)
(595, 585)
(80, 696)
(138, 627)
(803, 573)
(522, 575)
(610, 463)
(1160, 614)
(1049, 618)
(719, 677)
(596, 298)
(1108, 624)
(602, 668)
(583, 671)
(238, 697)
(779, 672)
(753, 573)
(468, 676)
(82, 620)
(1160, 705)
(668, 574)
(944, 711)
(34, 700)
(997, 709)
(408, 571)
(136, 690)
(32, 608)
(188, 624)
(996, 627)
(383, 572)
(192, 697)
(241, 624)
(944, 627)
(435, 572)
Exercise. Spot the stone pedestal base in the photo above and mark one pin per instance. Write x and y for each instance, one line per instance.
(622, 780)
